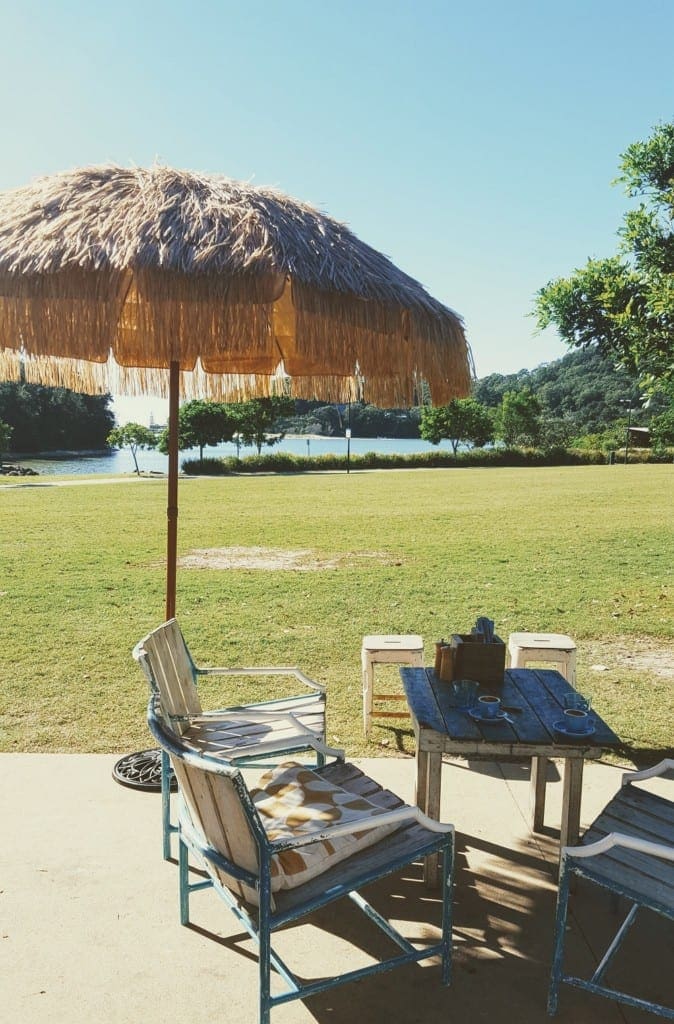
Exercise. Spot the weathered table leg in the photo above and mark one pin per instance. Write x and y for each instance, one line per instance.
(433, 785)
(539, 772)
(429, 775)
(421, 793)
(573, 785)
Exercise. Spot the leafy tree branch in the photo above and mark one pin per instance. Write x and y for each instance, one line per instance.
(624, 304)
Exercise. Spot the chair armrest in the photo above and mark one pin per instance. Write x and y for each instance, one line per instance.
(667, 764)
(258, 716)
(614, 839)
(396, 817)
(303, 739)
(264, 670)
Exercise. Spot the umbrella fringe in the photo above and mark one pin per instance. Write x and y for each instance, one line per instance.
(67, 342)
(103, 378)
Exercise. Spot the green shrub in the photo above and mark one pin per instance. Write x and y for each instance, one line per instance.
(207, 467)
(285, 462)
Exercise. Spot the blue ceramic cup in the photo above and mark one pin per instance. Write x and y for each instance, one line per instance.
(489, 707)
(576, 720)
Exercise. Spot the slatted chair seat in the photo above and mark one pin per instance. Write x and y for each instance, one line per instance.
(642, 815)
(242, 733)
(628, 850)
(361, 831)
(250, 731)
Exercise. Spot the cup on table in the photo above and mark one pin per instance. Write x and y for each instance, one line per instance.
(576, 720)
(489, 707)
(464, 692)
(577, 701)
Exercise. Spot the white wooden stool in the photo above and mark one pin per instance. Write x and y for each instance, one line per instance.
(391, 650)
(523, 648)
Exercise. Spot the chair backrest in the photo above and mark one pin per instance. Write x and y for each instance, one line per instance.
(216, 799)
(166, 662)
(214, 802)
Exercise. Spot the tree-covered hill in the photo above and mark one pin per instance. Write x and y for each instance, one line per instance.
(583, 388)
(584, 391)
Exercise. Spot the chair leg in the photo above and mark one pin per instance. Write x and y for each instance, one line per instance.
(166, 804)
(184, 882)
(560, 935)
(264, 949)
(447, 882)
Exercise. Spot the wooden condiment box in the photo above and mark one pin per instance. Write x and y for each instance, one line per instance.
(472, 658)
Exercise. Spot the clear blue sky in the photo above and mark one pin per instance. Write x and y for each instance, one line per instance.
(474, 144)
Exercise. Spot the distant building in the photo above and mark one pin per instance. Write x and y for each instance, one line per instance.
(640, 437)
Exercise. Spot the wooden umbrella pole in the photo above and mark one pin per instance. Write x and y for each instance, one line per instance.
(172, 507)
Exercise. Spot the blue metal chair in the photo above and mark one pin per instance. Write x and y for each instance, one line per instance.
(629, 851)
(242, 734)
(227, 829)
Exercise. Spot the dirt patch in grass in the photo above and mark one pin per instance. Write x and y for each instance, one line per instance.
(277, 559)
(634, 653)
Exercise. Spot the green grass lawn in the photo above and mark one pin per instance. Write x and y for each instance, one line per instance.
(586, 551)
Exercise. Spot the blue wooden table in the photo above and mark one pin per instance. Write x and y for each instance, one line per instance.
(536, 702)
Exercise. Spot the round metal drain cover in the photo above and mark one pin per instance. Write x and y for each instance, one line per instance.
(141, 771)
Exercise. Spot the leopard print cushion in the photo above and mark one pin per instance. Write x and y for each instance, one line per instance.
(293, 800)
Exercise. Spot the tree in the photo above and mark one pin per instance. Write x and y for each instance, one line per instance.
(662, 428)
(490, 390)
(610, 439)
(52, 419)
(201, 424)
(133, 436)
(5, 436)
(518, 420)
(624, 304)
(257, 418)
(463, 419)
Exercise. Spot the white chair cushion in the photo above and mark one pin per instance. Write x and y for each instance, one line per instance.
(293, 800)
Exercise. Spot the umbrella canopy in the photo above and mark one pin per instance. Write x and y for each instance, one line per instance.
(154, 280)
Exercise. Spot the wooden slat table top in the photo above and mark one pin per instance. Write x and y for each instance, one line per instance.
(538, 695)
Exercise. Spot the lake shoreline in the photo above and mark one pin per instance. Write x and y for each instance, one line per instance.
(113, 461)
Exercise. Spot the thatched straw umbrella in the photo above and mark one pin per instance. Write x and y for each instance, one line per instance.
(163, 281)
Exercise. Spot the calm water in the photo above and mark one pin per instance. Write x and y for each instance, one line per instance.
(153, 461)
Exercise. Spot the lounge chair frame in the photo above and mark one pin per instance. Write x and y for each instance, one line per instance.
(417, 837)
(173, 675)
(623, 854)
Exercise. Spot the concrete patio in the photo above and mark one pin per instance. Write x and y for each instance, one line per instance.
(89, 912)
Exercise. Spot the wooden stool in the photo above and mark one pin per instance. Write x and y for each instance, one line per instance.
(390, 650)
(523, 648)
